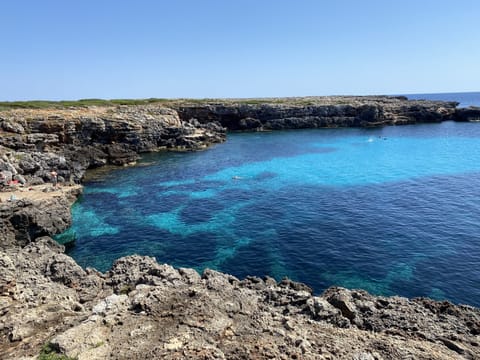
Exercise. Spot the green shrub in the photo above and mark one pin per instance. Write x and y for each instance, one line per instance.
(49, 352)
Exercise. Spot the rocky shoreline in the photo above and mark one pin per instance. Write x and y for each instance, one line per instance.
(141, 309)
(313, 112)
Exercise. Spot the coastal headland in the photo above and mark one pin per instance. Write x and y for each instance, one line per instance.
(140, 309)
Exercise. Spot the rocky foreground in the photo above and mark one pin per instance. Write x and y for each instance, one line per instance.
(143, 310)
(140, 309)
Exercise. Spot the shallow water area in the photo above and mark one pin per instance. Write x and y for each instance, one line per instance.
(393, 210)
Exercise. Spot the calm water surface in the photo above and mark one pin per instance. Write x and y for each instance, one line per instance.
(393, 210)
(464, 99)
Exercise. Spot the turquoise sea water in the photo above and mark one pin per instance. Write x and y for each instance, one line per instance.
(394, 210)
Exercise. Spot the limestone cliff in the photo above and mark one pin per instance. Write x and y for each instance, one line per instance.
(317, 112)
(72, 140)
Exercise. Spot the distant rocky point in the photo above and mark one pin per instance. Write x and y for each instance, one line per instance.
(318, 112)
(51, 308)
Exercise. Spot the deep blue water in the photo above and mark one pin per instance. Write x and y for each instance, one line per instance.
(465, 99)
(394, 210)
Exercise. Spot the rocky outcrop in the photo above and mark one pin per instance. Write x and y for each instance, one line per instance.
(318, 112)
(35, 142)
(42, 292)
(143, 310)
(468, 114)
(25, 219)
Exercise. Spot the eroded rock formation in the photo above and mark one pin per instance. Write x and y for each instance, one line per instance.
(143, 310)
(33, 142)
(318, 112)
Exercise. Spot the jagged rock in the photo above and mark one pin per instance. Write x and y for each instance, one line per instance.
(27, 164)
(130, 271)
(320, 309)
(363, 356)
(343, 302)
(24, 221)
(41, 140)
(12, 127)
(176, 313)
(7, 166)
(112, 303)
(6, 176)
(33, 220)
(471, 113)
(182, 316)
(295, 285)
(42, 292)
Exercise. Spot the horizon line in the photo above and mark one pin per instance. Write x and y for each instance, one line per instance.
(240, 97)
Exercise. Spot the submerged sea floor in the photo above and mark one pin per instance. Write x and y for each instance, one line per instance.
(394, 210)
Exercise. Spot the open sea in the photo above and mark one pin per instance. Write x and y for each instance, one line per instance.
(393, 210)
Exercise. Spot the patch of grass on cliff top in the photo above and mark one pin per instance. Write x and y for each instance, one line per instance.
(64, 104)
(46, 104)
(295, 101)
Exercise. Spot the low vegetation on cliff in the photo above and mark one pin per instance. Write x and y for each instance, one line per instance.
(295, 101)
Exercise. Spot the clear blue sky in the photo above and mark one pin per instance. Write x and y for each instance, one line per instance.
(62, 49)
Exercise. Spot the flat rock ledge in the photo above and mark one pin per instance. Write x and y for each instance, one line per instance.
(51, 308)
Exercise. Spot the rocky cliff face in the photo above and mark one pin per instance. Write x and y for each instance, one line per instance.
(143, 310)
(33, 142)
(317, 112)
